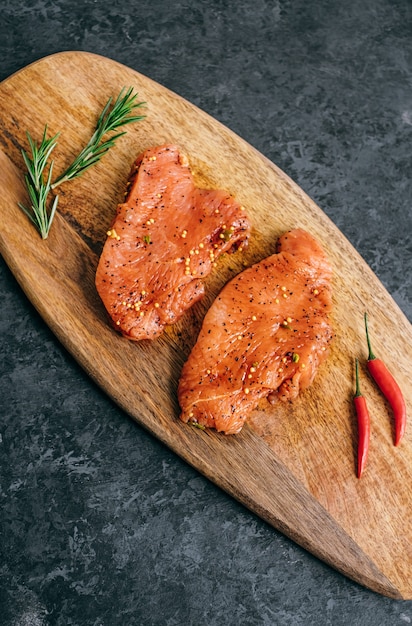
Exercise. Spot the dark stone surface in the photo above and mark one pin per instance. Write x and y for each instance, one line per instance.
(100, 523)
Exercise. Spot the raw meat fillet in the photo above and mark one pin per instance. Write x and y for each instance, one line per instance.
(165, 238)
(264, 336)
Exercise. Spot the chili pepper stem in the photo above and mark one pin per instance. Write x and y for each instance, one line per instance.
(371, 356)
(357, 387)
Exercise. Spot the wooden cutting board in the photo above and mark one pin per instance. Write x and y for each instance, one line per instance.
(294, 465)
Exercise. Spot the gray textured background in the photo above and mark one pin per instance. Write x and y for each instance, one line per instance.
(100, 523)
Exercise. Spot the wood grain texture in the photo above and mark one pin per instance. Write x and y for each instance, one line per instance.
(294, 464)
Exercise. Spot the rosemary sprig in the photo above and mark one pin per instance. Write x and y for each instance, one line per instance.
(108, 121)
(39, 182)
(38, 188)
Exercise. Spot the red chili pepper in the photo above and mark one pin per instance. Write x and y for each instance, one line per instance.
(364, 427)
(389, 387)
